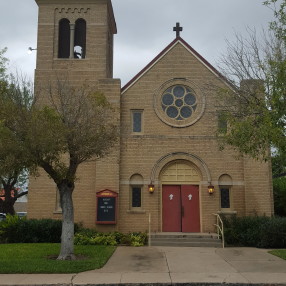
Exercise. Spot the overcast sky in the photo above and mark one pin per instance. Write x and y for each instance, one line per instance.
(145, 28)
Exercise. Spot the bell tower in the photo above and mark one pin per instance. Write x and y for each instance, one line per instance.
(76, 36)
(75, 43)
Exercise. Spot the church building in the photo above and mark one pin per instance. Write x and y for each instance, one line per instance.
(167, 166)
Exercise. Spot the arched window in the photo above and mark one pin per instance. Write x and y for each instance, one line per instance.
(136, 184)
(80, 39)
(225, 185)
(64, 39)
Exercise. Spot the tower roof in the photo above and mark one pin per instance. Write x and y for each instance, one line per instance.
(81, 2)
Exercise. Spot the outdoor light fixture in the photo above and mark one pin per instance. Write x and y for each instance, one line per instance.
(211, 189)
(30, 50)
(151, 188)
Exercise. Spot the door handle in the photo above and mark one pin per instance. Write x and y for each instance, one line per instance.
(183, 211)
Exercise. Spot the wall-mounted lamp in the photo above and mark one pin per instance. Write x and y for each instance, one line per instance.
(151, 188)
(30, 50)
(211, 189)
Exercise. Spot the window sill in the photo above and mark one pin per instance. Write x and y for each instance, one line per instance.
(57, 212)
(133, 211)
(68, 59)
(226, 212)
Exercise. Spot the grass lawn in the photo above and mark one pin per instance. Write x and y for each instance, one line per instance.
(279, 252)
(35, 258)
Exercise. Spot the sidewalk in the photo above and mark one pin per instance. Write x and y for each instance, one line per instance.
(171, 266)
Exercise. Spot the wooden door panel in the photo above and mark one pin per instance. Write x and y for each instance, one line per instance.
(171, 209)
(191, 208)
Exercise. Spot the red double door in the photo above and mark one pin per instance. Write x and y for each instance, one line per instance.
(181, 211)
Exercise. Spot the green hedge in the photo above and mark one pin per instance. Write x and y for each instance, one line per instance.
(17, 230)
(256, 231)
(22, 230)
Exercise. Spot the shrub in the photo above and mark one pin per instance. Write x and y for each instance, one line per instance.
(120, 237)
(114, 238)
(273, 233)
(9, 228)
(81, 239)
(96, 239)
(16, 230)
(279, 191)
(138, 238)
(108, 239)
(267, 232)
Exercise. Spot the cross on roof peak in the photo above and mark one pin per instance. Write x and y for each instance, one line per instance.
(178, 29)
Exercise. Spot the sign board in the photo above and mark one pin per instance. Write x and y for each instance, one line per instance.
(106, 207)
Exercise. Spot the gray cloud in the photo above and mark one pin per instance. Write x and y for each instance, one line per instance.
(144, 29)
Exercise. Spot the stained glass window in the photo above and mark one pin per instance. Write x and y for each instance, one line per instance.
(136, 197)
(224, 198)
(179, 102)
(137, 121)
(222, 122)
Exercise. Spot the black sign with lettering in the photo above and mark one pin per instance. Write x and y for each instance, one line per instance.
(106, 209)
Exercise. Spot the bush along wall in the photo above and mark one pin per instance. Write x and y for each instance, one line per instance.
(255, 231)
(279, 190)
(17, 230)
(22, 230)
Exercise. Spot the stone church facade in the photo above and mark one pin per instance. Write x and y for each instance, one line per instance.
(167, 163)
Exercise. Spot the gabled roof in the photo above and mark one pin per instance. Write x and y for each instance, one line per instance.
(177, 40)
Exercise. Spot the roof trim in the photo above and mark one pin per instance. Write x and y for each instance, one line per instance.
(177, 40)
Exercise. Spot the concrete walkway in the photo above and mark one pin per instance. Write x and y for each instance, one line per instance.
(171, 266)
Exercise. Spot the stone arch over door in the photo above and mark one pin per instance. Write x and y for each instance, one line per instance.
(180, 172)
(181, 156)
(180, 192)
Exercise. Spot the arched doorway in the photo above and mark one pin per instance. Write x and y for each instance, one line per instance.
(180, 197)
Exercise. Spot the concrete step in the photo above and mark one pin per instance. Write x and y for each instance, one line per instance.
(186, 244)
(203, 240)
(183, 235)
(186, 239)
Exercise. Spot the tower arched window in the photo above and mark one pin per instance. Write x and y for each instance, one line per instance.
(64, 39)
(80, 39)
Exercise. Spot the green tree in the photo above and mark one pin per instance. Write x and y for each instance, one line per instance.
(13, 160)
(87, 129)
(3, 63)
(278, 26)
(74, 125)
(255, 108)
(278, 165)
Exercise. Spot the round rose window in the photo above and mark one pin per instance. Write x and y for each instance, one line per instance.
(179, 102)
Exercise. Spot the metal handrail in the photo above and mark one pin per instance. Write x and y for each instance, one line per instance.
(219, 226)
(149, 230)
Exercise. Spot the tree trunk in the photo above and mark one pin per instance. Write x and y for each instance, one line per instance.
(67, 238)
(8, 203)
(1, 206)
(8, 206)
